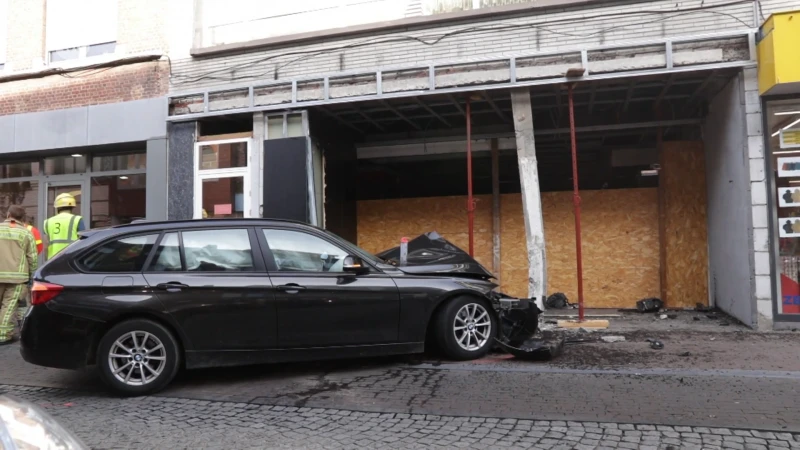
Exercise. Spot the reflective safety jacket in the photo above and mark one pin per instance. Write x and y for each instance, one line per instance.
(37, 238)
(61, 230)
(17, 253)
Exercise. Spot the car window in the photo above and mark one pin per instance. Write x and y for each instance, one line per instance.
(168, 255)
(122, 255)
(296, 251)
(217, 251)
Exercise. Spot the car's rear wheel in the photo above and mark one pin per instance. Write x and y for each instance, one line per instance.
(466, 328)
(138, 357)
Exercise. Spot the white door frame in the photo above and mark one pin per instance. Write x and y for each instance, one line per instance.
(244, 172)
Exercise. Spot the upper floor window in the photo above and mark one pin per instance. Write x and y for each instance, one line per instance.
(3, 33)
(78, 29)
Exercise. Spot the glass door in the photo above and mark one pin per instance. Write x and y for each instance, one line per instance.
(77, 188)
(222, 179)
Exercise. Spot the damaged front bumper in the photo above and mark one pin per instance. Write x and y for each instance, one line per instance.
(519, 318)
(519, 322)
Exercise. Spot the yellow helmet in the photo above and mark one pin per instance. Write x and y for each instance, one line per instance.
(64, 201)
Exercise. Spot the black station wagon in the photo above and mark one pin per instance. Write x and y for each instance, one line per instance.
(141, 301)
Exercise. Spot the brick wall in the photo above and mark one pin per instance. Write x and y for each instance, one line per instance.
(118, 84)
(551, 30)
(141, 28)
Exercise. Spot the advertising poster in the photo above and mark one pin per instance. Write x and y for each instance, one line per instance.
(789, 227)
(789, 197)
(789, 167)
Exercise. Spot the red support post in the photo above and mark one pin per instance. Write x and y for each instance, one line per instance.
(470, 200)
(576, 199)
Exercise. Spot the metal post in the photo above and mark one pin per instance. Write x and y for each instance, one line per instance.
(470, 201)
(404, 251)
(576, 199)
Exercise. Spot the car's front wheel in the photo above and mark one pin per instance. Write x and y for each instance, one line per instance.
(138, 357)
(466, 328)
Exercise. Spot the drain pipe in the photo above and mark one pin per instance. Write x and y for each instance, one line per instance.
(576, 200)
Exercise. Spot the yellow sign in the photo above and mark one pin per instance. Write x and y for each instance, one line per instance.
(778, 64)
(790, 138)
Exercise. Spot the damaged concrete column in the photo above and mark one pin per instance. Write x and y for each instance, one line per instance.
(531, 198)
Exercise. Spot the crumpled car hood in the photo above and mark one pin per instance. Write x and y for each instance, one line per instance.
(431, 254)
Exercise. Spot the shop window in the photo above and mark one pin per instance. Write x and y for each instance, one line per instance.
(783, 126)
(125, 255)
(19, 170)
(218, 251)
(118, 200)
(224, 197)
(65, 165)
(133, 161)
(23, 193)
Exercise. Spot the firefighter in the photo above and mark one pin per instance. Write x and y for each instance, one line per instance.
(24, 301)
(17, 264)
(36, 235)
(63, 228)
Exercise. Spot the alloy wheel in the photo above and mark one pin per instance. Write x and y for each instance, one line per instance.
(137, 358)
(472, 326)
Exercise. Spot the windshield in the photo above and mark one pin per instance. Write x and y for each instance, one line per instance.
(363, 254)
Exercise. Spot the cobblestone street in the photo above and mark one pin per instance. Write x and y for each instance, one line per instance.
(594, 396)
(165, 422)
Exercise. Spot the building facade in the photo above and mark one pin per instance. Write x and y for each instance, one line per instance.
(779, 87)
(357, 116)
(83, 105)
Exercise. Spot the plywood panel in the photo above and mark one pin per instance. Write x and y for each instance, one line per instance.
(686, 239)
(620, 235)
(382, 223)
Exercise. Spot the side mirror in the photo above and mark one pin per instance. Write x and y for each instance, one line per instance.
(354, 264)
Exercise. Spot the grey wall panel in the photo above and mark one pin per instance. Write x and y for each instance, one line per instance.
(157, 179)
(286, 179)
(50, 129)
(729, 211)
(7, 134)
(128, 122)
(135, 121)
(180, 172)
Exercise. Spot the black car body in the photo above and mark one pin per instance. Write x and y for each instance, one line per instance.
(209, 293)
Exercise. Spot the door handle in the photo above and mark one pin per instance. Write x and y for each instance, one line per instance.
(172, 286)
(290, 288)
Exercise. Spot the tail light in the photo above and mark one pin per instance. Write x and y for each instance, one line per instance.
(44, 292)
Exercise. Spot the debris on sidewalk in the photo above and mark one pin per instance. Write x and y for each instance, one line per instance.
(535, 349)
(649, 305)
(612, 339)
(685, 354)
(724, 324)
(557, 301)
(663, 317)
(655, 344)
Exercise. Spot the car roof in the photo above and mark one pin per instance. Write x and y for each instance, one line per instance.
(144, 225)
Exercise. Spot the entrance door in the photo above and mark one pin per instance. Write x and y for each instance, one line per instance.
(222, 179)
(78, 190)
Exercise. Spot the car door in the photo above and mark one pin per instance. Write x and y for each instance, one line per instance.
(216, 288)
(318, 304)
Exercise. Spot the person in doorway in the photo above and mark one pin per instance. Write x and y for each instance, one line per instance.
(18, 262)
(63, 228)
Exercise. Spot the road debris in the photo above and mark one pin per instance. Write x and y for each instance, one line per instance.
(724, 324)
(649, 305)
(655, 344)
(535, 349)
(663, 317)
(685, 354)
(557, 301)
(612, 339)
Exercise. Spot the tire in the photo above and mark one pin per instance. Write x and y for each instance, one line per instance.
(159, 363)
(476, 344)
